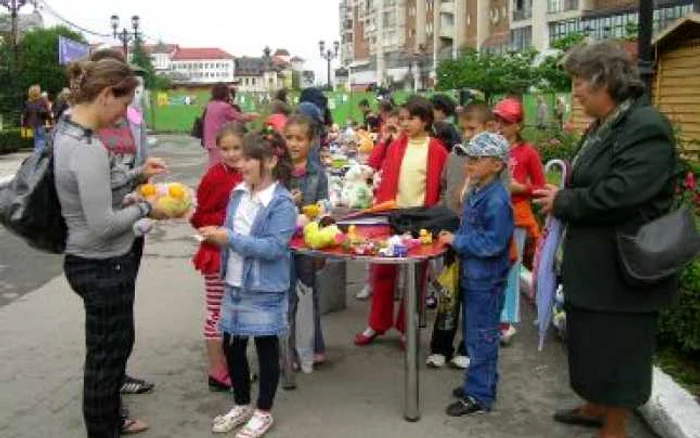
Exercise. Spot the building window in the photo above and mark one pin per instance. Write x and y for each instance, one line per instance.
(521, 39)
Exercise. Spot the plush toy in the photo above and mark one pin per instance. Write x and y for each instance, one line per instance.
(324, 234)
(335, 190)
(175, 199)
(356, 192)
(425, 237)
(364, 141)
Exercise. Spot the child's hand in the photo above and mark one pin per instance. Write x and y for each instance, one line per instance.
(216, 235)
(153, 167)
(446, 238)
(296, 194)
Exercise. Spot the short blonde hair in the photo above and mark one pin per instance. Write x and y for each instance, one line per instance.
(34, 92)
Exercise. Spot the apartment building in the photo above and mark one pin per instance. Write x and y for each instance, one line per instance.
(392, 40)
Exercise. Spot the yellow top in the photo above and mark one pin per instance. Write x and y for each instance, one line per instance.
(412, 179)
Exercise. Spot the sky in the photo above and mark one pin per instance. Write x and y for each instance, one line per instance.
(241, 27)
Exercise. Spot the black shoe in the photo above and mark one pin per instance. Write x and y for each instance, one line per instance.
(131, 385)
(216, 385)
(458, 392)
(465, 406)
(576, 418)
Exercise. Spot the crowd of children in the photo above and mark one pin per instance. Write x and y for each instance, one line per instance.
(247, 211)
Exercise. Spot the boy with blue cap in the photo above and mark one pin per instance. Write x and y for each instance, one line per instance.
(483, 244)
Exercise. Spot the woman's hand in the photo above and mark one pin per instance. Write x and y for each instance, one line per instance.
(215, 235)
(545, 197)
(153, 167)
(446, 238)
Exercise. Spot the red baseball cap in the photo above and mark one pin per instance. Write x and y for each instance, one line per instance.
(509, 110)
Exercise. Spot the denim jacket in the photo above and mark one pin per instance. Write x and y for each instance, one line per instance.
(313, 185)
(483, 239)
(266, 250)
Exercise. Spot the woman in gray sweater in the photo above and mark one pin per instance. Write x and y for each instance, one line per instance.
(99, 263)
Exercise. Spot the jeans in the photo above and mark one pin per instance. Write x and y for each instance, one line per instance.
(39, 138)
(482, 311)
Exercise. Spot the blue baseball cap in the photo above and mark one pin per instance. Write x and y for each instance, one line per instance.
(486, 144)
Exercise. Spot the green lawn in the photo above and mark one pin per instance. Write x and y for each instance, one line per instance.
(178, 118)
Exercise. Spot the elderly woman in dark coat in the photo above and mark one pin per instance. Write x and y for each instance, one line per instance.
(623, 177)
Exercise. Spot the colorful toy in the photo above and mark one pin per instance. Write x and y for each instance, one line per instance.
(356, 192)
(175, 199)
(322, 235)
(425, 237)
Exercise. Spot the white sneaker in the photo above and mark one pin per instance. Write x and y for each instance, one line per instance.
(234, 418)
(460, 362)
(507, 335)
(365, 293)
(259, 424)
(435, 361)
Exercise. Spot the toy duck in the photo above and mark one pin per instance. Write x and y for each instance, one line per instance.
(425, 237)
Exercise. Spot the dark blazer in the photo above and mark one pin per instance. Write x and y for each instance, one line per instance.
(623, 182)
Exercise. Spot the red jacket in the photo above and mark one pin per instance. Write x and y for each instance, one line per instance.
(213, 195)
(391, 168)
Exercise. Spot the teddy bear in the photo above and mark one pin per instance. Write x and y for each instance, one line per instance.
(357, 193)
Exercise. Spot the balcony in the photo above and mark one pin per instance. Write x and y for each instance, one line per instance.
(522, 14)
(447, 31)
(561, 6)
(447, 6)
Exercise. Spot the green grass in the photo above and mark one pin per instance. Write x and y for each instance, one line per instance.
(684, 368)
(178, 118)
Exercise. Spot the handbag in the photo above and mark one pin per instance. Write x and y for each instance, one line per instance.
(29, 205)
(658, 250)
(433, 219)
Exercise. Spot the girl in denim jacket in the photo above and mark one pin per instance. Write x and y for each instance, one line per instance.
(255, 266)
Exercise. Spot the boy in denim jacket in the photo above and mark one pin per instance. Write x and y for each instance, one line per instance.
(482, 243)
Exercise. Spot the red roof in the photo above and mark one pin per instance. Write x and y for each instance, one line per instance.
(203, 53)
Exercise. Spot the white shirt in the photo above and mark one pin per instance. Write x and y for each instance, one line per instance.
(248, 209)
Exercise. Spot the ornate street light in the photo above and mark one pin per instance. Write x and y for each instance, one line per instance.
(329, 55)
(124, 35)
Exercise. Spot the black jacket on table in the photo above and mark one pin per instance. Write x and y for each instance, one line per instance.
(624, 181)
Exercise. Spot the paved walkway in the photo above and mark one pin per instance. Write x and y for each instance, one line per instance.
(358, 393)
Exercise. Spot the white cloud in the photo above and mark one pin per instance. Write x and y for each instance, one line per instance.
(241, 27)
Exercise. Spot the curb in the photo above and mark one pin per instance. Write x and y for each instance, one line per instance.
(672, 412)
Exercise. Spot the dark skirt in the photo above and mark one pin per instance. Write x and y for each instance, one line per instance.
(611, 356)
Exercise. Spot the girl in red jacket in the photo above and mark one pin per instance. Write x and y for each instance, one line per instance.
(411, 177)
(213, 195)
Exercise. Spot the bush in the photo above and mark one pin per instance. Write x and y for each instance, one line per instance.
(680, 326)
(11, 141)
(553, 143)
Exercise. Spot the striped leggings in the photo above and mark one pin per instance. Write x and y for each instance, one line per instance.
(214, 287)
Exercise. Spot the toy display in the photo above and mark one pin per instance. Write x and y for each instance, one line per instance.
(356, 192)
(323, 234)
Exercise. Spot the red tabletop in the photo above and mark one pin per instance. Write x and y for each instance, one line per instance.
(371, 232)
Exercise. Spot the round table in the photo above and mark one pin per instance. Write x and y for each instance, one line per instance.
(413, 311)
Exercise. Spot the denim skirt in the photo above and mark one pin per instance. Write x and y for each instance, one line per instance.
(246, 313)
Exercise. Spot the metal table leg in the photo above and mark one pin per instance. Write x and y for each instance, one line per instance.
(288, 377)
(422, 305)
(412, 395)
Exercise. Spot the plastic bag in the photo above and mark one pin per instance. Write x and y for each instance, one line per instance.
(304, 332)
(448, 297)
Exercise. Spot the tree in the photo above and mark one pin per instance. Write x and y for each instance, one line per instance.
(37, 64)
(142, 59)
(491, 73)
(551, 76)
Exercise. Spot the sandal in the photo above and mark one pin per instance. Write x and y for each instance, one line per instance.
(574, 417)
(258, 426)
(131, 426)
(234, 418)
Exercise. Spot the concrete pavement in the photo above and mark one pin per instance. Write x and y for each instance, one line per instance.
(358, 393)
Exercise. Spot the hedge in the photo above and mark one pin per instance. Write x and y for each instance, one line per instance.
(10, 141)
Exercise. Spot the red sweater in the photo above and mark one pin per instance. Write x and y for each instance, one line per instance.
(213, 195)
(391, 168)
(526, 168)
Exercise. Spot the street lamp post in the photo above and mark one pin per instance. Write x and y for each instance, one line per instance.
(14, 6)
(646, 23)
(124, 35)
(329, 55)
